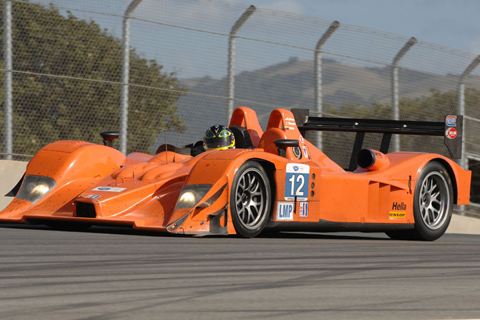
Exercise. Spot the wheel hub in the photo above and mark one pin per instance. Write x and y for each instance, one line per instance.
(427, 200)
(246, 197)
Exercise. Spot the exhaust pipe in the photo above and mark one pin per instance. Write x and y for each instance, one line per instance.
(372, 159)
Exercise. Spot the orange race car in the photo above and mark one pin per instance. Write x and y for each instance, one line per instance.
(273, 179)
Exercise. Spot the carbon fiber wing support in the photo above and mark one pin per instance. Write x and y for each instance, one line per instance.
(451, 129)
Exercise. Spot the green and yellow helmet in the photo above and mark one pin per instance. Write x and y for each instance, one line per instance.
(218, 137)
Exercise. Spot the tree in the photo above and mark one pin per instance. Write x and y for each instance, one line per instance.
(67, 83)
(426, 108)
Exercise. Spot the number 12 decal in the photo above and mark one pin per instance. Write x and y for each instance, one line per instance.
(296, 181)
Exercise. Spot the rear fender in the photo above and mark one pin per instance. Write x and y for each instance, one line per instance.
(461, 180)
(413, 163)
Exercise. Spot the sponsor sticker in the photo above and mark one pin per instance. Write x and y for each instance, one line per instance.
(109, 189)
(300, 138)
(303, 212)
(285, 211)
(397, 214)
(451, 133)
(398, 210)
(296, 181)
(305, 151)
(399, 206)
(92, 196)
(451, 121)
(289, 124)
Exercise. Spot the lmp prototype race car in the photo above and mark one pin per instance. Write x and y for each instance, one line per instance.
(273, 179)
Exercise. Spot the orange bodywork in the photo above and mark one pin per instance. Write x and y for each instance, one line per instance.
(96, 184)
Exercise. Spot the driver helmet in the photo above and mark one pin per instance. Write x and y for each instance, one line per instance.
(218, 137)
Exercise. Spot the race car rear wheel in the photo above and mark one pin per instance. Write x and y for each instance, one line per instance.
(250, 199)
(432, 205)
(433, 202)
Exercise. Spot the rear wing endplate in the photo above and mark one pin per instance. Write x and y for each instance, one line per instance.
(451, 129)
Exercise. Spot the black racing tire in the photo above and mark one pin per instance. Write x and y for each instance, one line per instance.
(432, 205)
(250, 200)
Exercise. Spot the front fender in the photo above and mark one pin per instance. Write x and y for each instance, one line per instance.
(69, 160)
(74, 166)
(218, 168)
(217, 164)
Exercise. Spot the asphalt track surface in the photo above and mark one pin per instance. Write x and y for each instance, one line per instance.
(120, 274)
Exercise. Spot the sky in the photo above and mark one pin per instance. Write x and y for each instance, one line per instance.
(451, 23)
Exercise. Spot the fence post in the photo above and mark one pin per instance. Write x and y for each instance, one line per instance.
(7, 85)
(395, 99)
(461, 104)
(318, 76)
(231, 59)
(125, 75)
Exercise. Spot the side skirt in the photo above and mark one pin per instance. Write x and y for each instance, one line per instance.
(330, 226)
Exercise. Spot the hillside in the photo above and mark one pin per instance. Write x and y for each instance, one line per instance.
(291, 85)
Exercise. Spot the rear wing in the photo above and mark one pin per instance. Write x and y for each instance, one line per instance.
(451, 129)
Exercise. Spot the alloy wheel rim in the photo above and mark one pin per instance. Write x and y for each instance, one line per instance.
(250, 199)
(434, 200)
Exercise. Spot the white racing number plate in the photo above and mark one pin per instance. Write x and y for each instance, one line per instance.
(296, 182)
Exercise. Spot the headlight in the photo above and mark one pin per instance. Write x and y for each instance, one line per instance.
(191, 195)
(35, 188)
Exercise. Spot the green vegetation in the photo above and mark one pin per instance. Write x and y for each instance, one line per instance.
(434, 107)
(64, 105)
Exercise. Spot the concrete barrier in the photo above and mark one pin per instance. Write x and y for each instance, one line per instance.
(11, 171)
(463, 224)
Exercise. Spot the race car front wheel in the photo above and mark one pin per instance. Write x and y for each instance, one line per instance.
(432, 205)
(250, 199)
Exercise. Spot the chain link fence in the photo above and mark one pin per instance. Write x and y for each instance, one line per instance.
(190, 60)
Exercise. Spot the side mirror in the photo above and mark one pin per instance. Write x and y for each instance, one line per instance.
(283, 144)
(109, 136)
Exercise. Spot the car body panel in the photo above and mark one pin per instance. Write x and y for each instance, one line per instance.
(97, 184)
